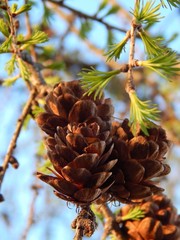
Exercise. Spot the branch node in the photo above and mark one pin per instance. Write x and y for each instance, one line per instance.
(124, 68)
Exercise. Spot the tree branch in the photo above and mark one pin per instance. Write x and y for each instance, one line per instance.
(93, 48)
(13, 141)
(30, 220)
(29, 32)
(130, 84)
(12, 30)
(86, 16)
(110, 226)
(35, 77)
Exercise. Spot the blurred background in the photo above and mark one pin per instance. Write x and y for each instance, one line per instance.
(31, 211)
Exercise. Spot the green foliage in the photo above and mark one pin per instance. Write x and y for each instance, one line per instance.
(146, 13)
(56, 65)
(4, 28)
(135, 213)
(32, 2)
(40, 149)
(153, 46)
(86, 27)
(171, 3)
(24, 8)
(36, 38)
(26, 122)
(141, 114)
(172, 38)
(48, 51)
(114, 9)
(116, 49)
(110, 38)
(10, 81)
(5, 46)
(23, 69)
(10, 65)
(164, 64)
(45, 167)
(52, 80)
(14, 7)
(97, 213)
(112, 237)
(48, 14)
(94, 81)
(20, 38)
(102, 5)
(36, 110)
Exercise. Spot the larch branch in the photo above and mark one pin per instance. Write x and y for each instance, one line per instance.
(31, 216)
(90, 45)
(17, 131)
(130, 84)
(86, 16)
(110, 226)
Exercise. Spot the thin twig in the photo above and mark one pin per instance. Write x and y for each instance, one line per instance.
(78, 233)
(29, 32)
(13, 141)
(86, 16)
(93, 48)
(35, 77)
(12, 30)
(130, 84)
(30, 220)
(111, 226)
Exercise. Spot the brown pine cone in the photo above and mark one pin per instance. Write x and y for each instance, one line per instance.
(67, 104)
(140, 159)
(79, 144)
(160, 221)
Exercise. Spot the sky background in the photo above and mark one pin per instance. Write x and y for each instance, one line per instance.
(52, 216)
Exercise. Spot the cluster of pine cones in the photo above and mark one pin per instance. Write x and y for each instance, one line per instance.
(161, 221)
(95, 158)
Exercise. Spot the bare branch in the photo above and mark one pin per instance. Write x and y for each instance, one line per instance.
(130, 84)
(13, 141)
(110, 226)
(29, 32)
(86, 16)
(92, 47)
(30, 220)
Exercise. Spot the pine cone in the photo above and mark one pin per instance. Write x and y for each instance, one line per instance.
(79, 144)
(140, 159)
(160, 221)
(66, 104)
